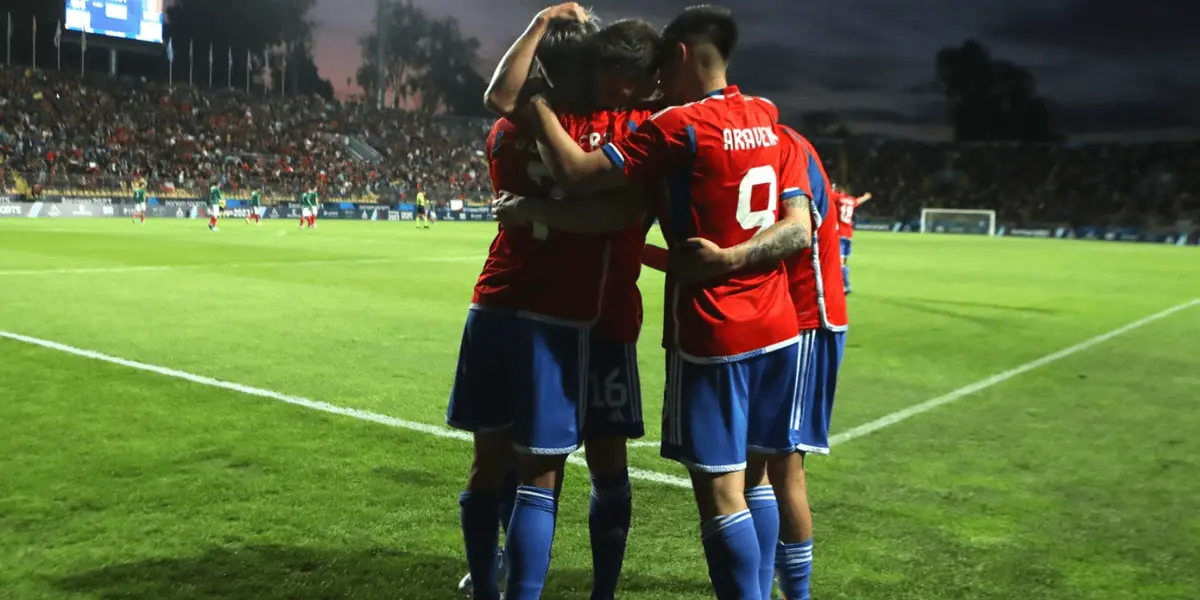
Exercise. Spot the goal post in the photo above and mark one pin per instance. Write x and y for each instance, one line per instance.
(956, 220)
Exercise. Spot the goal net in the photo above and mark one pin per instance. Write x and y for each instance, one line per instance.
(953, 220)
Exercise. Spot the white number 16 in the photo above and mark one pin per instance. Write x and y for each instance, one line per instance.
(758, 219)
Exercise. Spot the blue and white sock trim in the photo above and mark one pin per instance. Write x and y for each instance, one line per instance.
(716, 525)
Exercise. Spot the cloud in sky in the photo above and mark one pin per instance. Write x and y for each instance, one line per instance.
(1104, 63)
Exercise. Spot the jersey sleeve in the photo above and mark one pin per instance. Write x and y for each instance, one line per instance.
(494, 138)
(658, 148)
(793, 167)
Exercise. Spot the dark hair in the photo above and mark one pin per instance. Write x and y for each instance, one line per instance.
(705, 24)
(631, 46)
(564, 47)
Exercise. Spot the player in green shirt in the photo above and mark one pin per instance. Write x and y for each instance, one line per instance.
(255, 207)
(309, 205)
(139, 201)
(305, 208)
(215, 200)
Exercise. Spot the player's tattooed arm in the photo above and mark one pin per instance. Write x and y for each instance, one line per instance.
(600, 213)
(570, 165)
(512, 73)
(699, 259)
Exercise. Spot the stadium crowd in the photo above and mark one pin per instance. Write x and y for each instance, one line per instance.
(60, 132)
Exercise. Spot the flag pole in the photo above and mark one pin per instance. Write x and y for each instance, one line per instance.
(190, 61)
(82, 53)
(229, 71)
(247, 70)
(34, 42)
(58, 43)
(210, 73)
(283, 73)
(8, 42)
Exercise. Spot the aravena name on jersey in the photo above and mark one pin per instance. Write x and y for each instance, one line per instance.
(720, 157)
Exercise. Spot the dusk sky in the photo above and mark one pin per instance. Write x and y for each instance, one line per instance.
(1104, 64)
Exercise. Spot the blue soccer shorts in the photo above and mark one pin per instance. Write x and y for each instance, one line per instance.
(524, 374)
(713, 412)
(614, 402)
(845, 249)
(821, 354)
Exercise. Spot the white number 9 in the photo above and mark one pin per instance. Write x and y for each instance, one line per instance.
(758, 219)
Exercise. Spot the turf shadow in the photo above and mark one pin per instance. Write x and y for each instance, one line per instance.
(302, 573)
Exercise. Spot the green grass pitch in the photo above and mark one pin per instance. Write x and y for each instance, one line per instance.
(1075, 479)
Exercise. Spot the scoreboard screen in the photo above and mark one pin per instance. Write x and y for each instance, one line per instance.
(140, 20)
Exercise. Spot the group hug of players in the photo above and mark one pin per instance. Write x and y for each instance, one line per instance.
(606, 130)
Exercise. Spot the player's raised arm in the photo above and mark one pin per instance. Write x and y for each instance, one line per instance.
(600, 213)
(570, 165)
(512, 72)
(863, 198)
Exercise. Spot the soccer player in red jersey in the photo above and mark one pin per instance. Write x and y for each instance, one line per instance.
(730, 324)
(816, 288)
(553, 284)
(846, 203)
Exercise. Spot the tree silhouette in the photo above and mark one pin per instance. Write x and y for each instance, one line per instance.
(429, 64)
(991, 100)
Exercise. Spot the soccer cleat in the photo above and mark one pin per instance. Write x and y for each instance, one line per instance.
(466, 588)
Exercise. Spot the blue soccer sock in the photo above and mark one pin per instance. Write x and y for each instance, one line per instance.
(794, 564)
(480, 527)
(731, 548)
(508, 497)
(765, 511)
(846, 278)
(609, 515)
(527, 546)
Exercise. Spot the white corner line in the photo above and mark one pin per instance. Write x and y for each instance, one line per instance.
(982, 384)
(434, 430)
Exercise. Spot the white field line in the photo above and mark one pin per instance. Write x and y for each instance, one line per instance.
(982, 384)
(218, 266)
(434, 430)
(652, 476)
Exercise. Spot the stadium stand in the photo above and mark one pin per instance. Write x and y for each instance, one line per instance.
(80, 137)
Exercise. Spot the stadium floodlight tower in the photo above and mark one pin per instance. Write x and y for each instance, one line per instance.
(958, 220)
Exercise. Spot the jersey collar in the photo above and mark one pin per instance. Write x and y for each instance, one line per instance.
(727, 92)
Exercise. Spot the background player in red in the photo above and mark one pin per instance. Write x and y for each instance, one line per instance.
(846, 203)
(625, 53)
(731, 327)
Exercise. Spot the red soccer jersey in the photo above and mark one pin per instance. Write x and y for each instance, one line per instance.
(720, 158)
(815, 275)
(541, 273)
(621, 313)
(845, 204)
